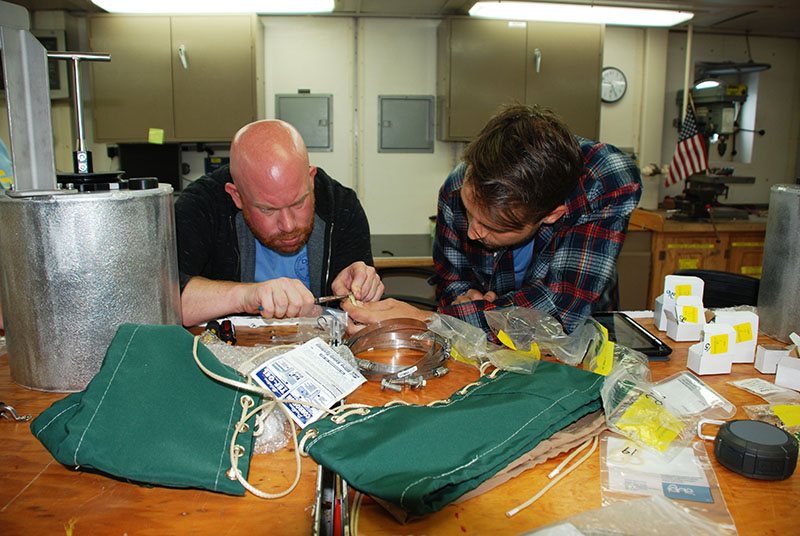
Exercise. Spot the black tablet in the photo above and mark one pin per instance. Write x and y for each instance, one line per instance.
(624, 330)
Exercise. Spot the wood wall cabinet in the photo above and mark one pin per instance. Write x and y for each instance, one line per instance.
(483, 64)
(196, 77)
(735, 246)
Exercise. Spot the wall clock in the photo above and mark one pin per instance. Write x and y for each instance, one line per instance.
(613, 84)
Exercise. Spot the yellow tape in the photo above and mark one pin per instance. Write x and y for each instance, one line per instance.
(747, 244)
(719, 344)
(689, 314)
(505, 339)
(651, 423)
(744, 332)
(683, 290)
(788, 413)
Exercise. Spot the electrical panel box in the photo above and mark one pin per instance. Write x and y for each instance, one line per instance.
(406, 123)
(311, 115)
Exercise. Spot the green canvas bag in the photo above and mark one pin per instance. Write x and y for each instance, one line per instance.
(421, 458)
(152, 416)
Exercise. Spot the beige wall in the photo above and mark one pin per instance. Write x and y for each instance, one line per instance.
(358, 60)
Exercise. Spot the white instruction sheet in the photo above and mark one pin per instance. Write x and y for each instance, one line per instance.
(313, 373)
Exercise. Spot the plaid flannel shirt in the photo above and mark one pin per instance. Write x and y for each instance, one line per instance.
(573, 260)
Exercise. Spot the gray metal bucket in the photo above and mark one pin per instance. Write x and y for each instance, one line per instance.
(779, 290)
(73, 268)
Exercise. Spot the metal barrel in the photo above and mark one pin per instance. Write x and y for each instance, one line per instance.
(73, 268)
(779, 290)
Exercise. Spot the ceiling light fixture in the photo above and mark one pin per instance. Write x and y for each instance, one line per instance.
(706, 84)
(580, 13)
(265, 7)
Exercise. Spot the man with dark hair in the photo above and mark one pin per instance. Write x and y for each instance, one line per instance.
(269, 232)
(533, 217)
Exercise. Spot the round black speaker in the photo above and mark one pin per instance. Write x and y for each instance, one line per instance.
(756, 449)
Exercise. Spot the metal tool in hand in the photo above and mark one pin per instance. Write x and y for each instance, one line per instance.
(326, 299)
(8, 412)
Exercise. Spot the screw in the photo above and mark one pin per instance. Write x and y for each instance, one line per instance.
(386, 384)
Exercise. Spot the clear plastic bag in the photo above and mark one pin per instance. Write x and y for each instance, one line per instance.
(467, 342)
(628, 472)
(660, 416)
(324, 322)
(663, 517)
(774, 394)
(525, 328)
(783, 416)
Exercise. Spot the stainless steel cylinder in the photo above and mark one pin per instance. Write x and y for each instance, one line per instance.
(73, 268)
(779, 291)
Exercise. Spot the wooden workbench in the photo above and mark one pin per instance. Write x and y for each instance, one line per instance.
(728, 245)
(40, 496)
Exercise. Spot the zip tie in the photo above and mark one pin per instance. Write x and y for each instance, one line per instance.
(553, 482)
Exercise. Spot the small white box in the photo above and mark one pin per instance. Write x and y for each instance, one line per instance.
(788, 373)
(702, 363)
(676, 286)
(713, 355)
(659, 316)
(745, 323)
(685, 321)
(767, 357)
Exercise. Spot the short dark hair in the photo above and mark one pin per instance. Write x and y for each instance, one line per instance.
(523, 164)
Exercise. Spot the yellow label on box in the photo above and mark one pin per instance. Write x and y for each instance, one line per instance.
(650, 423)
(688, 264)
(156, 135)
(744, 332)
(689, 315)
(788, 413)
(683, 290)
(719, 344)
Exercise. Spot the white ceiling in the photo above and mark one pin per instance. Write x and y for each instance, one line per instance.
(758, 17)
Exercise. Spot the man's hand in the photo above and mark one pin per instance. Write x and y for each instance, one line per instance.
(360, 279)
(472, 295)
(276, 298)
(372, 313)
(205, 299)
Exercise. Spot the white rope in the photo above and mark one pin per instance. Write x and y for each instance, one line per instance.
(553, 482)
(355, 509)
(272, 402)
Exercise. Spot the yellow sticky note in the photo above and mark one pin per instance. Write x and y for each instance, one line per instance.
(719, 344)
(788, 413)
(683, 290)
(156, 135)
(744, 332)
(650, 423)
(689, 314)
(688, 264)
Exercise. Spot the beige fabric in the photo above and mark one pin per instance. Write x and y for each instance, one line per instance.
(565, 440)
(562, 441)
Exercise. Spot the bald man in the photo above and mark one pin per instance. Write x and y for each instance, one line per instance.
(269, 232)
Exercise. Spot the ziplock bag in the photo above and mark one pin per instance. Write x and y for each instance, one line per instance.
(152, 416)
(421, 458)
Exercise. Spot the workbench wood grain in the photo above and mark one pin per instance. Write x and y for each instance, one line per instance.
(41, 496)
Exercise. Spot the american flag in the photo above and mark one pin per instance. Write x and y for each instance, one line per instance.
(690, 154)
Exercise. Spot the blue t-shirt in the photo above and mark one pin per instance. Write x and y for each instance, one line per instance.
(271, 265)
(523, 256)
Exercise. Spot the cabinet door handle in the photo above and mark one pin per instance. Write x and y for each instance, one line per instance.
(537, 56)
(182, 56)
